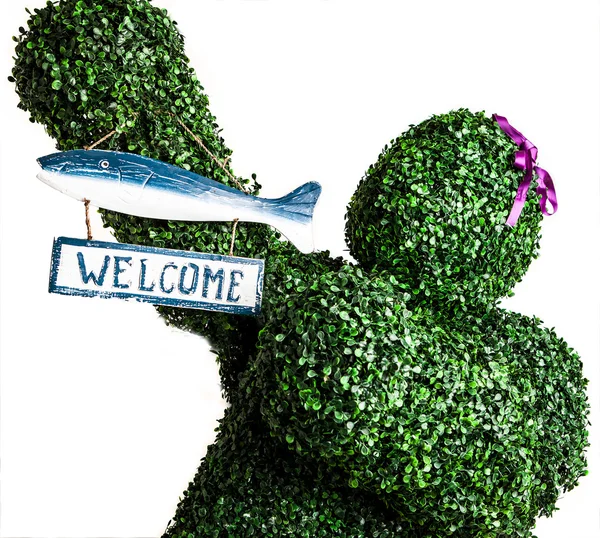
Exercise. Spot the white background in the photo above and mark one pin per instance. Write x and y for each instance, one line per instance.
(105, 411)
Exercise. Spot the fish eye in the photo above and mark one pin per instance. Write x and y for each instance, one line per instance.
(104, 164)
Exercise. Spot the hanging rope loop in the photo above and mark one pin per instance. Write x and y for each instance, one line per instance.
(88, 224)
(235, 222)
(222, 164)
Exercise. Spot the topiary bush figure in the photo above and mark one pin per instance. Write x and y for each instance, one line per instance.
(392, 398)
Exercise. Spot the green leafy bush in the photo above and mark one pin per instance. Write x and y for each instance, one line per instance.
(388, 399)
(249, 485)
(462, 425)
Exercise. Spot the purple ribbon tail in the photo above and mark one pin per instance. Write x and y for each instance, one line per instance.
(525, 159)
(520, 198)
(515, 213)
(547, 191)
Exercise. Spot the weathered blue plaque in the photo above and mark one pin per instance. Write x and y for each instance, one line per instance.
(156, 275)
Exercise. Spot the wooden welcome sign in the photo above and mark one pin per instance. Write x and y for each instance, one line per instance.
(156, 275)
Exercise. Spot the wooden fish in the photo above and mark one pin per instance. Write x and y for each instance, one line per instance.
(145, 187)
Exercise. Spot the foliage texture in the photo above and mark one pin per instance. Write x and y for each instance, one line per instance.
(392, 398)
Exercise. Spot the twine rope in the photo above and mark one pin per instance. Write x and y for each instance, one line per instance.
(235, 222)
(105, 137)
(88, 224)
(199, 141)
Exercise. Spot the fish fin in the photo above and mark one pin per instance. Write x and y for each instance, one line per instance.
(295, 211)
(300, 201)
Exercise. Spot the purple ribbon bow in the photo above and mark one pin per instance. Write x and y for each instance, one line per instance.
(525, 159)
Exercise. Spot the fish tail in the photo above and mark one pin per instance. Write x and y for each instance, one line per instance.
(295, 211)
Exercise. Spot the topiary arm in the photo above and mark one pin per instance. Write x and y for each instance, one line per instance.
(86, 69)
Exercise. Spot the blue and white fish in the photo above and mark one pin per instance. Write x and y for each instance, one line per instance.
(145, 187)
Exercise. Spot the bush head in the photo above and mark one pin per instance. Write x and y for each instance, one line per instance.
(433, 208)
